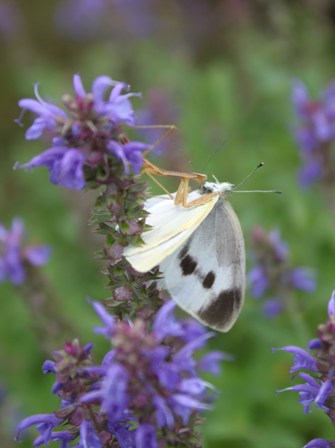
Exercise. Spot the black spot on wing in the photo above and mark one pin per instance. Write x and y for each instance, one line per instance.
(223, 310)
(184, 250)
(188, 265)
(208, 281)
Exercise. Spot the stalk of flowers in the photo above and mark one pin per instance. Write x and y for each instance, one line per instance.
(316, 369)
(146, 392)
(272, 277)
(149, 376)
(19, 264)
(315, 135)
(90, 149)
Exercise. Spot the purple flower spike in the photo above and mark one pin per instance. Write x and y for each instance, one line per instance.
(145, 393)
(272, 278)
(87, 139)
(315, 134)
(318, 387)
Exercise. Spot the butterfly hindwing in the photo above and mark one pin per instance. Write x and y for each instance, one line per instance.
(206, 275)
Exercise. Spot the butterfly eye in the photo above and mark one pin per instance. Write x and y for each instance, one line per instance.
(206, 189)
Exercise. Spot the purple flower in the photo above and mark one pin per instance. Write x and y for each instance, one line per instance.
(45, 424)
(88, 437)
(318, 443)
(129, 153)
(302, 359)
(146, 437)
(15, 256)
(311, 392)
(165, 323)
(279, 246)
(88, 137)
(273, 307)
(48, 115)
(210, 362)
(114, 395)
(259, 281)
(302, 279)
(124, 435)
(315, 344)
(65, 166)
(106, 318)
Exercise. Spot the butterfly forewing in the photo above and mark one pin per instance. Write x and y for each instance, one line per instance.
(206, 274)
(171, 225)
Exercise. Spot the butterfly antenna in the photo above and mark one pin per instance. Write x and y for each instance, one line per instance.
(253, 191)
(257, 191)
(249, 175)
(211, 157)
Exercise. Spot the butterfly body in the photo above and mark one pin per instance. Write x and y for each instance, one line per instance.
(200, 251)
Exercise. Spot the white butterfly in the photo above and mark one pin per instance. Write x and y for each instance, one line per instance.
(200, 249)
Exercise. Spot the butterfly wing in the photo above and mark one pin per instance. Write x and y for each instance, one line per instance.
(206, 274)
(171, 225)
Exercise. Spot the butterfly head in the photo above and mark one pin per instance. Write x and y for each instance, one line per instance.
(223, 188)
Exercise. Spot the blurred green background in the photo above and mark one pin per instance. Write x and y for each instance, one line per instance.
(225, 70)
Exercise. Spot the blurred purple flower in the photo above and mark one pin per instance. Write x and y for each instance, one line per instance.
(272, 274)
(10, 19)
(315, 133)
(272, 307)
(15, 256)
(302, 279)
(258, 280)
(88, 135)
(85, 19)
(148, 378)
